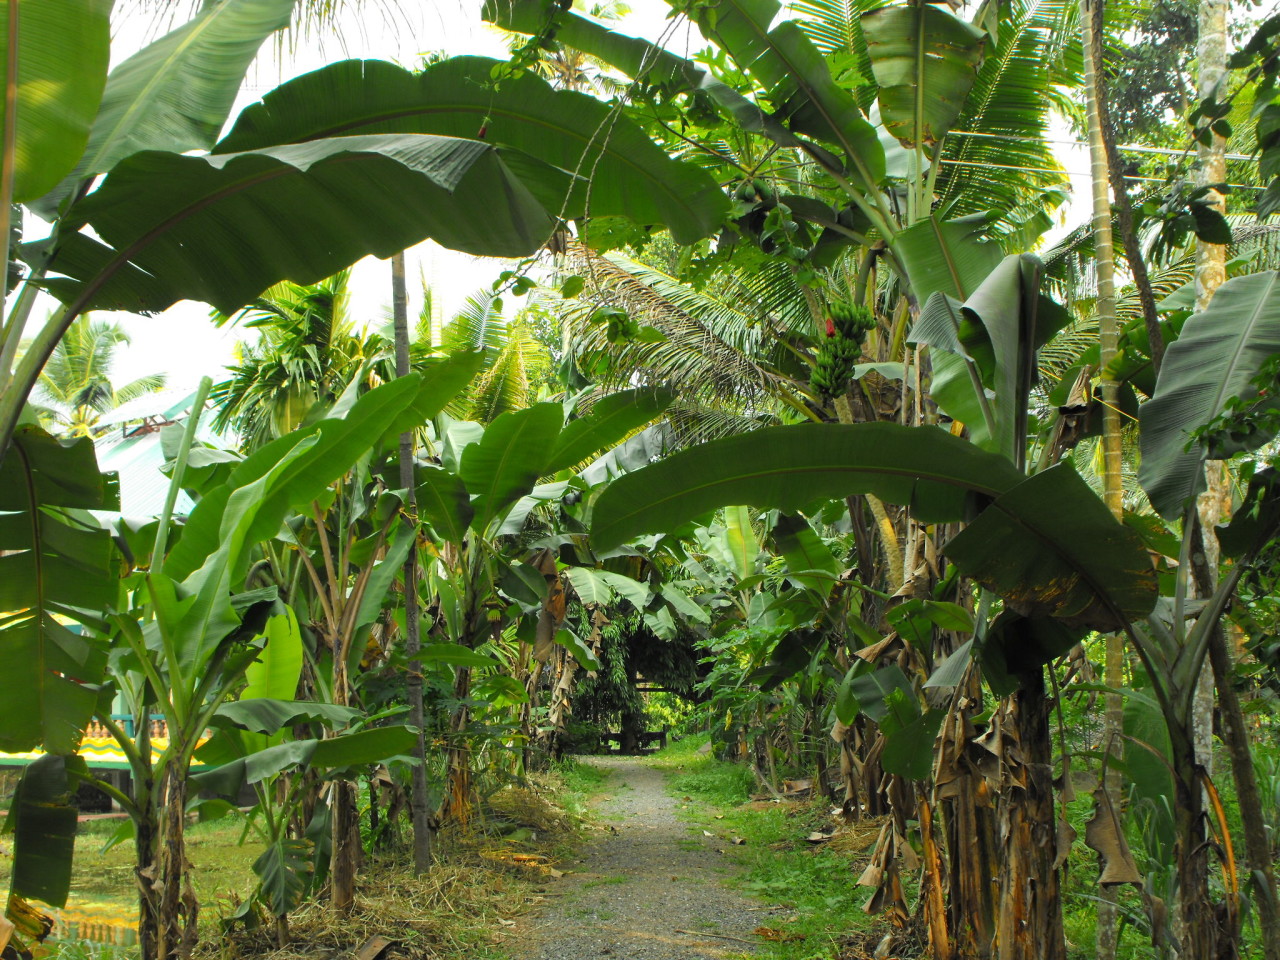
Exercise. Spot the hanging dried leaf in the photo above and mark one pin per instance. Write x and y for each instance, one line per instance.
(1066, 837)
(1105, 834)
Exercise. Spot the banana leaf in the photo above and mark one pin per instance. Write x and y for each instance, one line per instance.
(628, 174)
(222, 228)
(60, 52)
(57, 565)
(1215, 360)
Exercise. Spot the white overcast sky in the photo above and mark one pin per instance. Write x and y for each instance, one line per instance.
(184, 344)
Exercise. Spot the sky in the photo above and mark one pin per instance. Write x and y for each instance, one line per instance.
(185, 345)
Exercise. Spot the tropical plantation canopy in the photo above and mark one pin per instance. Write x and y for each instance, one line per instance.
(793, 397)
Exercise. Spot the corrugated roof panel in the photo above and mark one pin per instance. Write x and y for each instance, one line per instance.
(138, 459)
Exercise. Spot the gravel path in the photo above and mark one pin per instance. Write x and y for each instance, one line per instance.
(646, 877)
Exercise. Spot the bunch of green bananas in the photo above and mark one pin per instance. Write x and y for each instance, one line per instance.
(847, 326)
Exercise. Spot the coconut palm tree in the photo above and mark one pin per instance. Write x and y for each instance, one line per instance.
(76, 389)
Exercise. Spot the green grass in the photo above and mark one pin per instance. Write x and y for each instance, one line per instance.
(814, 884)
(577, 783)
(103, 885)
(604, 882)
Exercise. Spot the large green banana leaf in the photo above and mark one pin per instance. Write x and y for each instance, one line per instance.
(949, 256)
(616, 170)
(942, 477)
(925, 61)
(56, 562)
(445, 503)
(600, 586)
(270, 716)
(285, 870)
(61, 49)
(1046, 561)
(738, 540)
(983, 351)
(608, 421)
(274, 676)
(510, 457)
(798, 81)
(174, 94)
(1215, 359)
(945, 263)
(1050, 547)
(223, 228)
(43, 820)
(373, 745)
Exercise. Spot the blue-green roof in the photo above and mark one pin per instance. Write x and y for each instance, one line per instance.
(134, 451)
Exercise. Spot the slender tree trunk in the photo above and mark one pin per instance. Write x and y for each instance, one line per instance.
(419, 813)
(1196, 926)
(345, 816)
(1112, 489)
(1257, 842)
(1211, 272)
(346, 840)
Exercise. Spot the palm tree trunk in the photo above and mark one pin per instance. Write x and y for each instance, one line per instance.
(1112, 490)
(346, 823)
(412, 627)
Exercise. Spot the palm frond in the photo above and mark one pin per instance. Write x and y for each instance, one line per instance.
(997, 157)
(693, 423)
(478, 324)
(719, 343)
(835, 27)
(509, 381)
(140, 387)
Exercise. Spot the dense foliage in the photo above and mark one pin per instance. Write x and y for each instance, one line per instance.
(806, 423)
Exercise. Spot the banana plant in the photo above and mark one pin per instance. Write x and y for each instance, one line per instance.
(293, 861)
(188, 640)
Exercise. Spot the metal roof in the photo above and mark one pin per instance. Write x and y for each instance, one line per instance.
(163, 405)
(138, 457)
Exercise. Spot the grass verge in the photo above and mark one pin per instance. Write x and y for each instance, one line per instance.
(486, 874)
(817, 911)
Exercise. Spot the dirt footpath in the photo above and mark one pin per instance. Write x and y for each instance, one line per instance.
(647, 887)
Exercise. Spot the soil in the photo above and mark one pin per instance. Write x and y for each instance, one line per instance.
(646, 887)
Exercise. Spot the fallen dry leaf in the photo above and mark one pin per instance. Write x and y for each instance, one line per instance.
(777, 936)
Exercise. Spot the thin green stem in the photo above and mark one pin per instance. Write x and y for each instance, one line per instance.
(130, 749)
(15, 324)
(179, 469)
